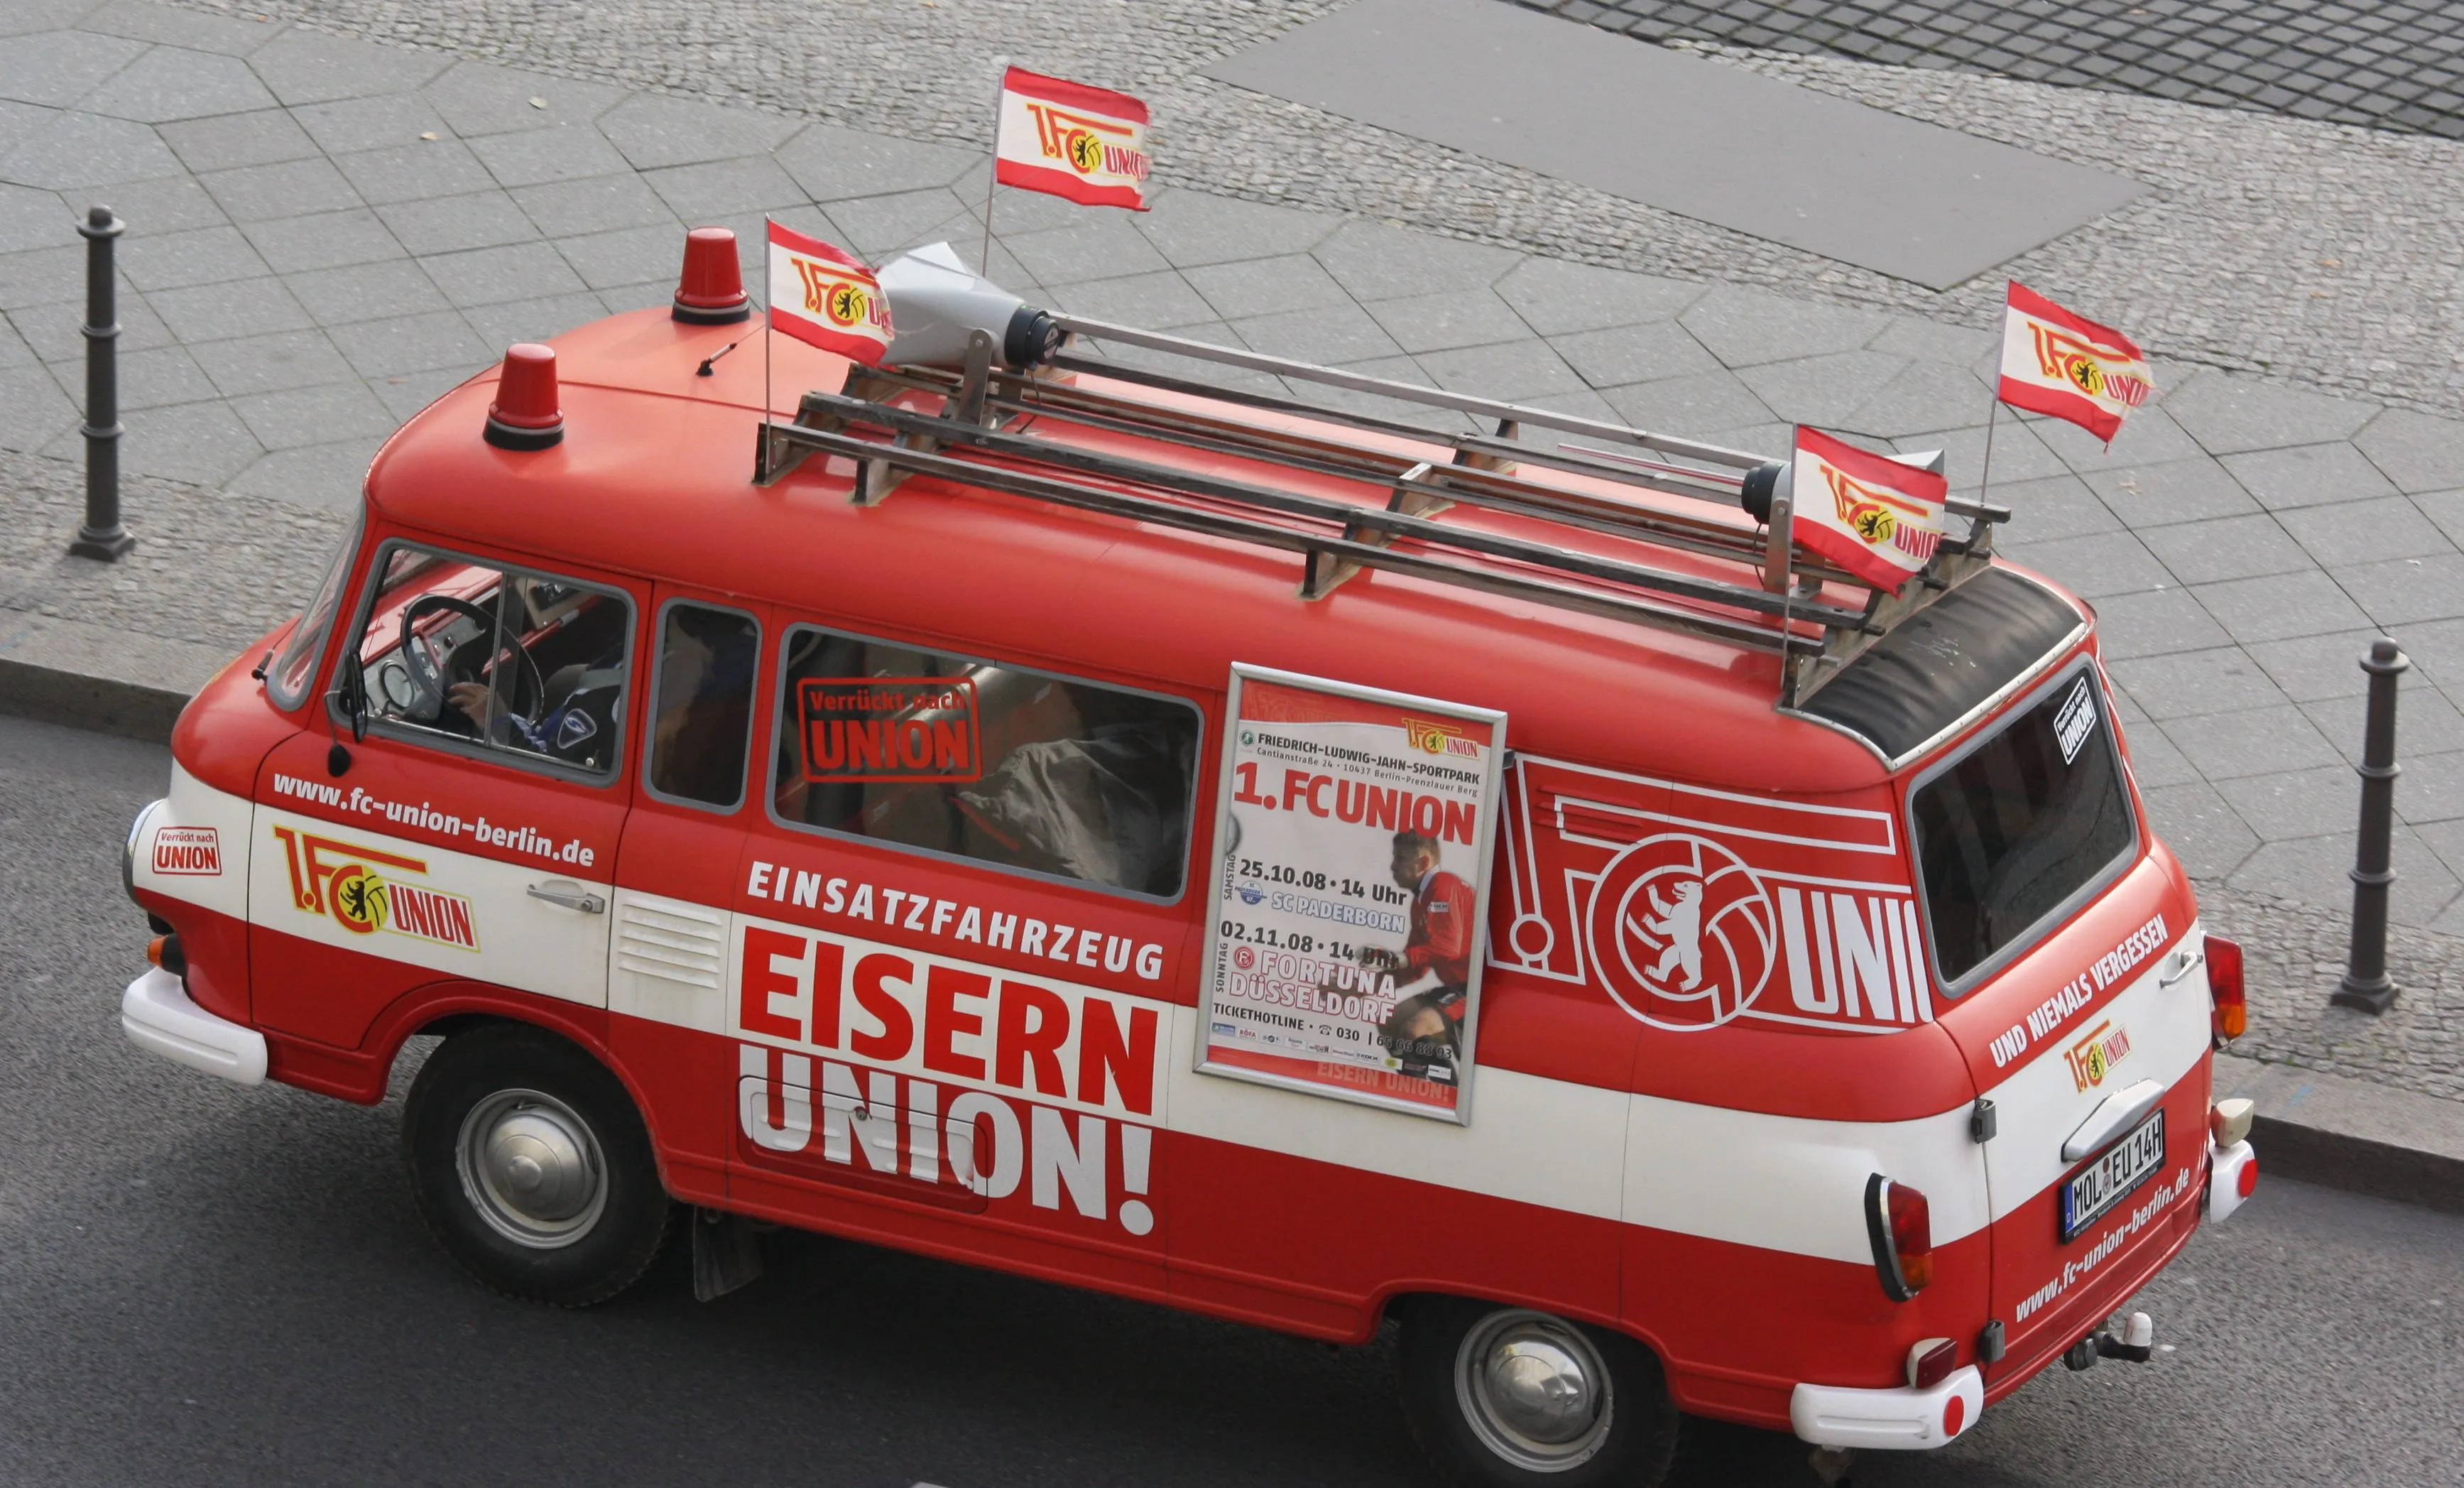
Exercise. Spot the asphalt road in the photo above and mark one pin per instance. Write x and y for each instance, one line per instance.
(201, 1284)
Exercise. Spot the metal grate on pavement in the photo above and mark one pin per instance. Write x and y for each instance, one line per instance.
(2385, 64)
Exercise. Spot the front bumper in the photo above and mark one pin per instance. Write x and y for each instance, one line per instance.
(1888, 1420)
(157, 1015)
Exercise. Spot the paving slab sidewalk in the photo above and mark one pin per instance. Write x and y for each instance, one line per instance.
(325, 234)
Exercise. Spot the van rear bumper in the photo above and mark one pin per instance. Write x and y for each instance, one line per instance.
(1888, 1420)
(2229, 1170)
(157, 1015)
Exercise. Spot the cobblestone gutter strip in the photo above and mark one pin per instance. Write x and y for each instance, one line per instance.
(2294, 954)
(2321, 253)
(119, 647)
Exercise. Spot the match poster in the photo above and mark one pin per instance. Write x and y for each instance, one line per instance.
(1350, 894)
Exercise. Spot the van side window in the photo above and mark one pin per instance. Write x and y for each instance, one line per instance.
(702, 693)
(949, 754)
(521, 665)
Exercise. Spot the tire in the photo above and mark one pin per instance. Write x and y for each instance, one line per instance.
(1483, 1389)
(533, 1169)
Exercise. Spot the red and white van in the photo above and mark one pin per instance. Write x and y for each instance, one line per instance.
(1276, 844)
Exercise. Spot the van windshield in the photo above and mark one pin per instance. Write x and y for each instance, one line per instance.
(2019, 825)
(288, 679)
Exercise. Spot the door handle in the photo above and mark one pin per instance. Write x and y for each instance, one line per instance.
(2113, 1116)
(565, 894)
(2184, 963)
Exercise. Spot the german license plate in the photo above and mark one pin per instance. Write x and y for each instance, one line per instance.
(2108, 1179)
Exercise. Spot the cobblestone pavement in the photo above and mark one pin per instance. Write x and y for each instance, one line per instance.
(2295, 954)
(328, 233)
(214, 568)
(2312, 253)
(2384, 63)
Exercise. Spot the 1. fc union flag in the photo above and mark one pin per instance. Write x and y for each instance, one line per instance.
(1876, 518)
(824, 298)
(1088, 144)
(2057, 363)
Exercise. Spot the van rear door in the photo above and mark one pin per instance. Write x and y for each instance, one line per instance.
(2093, 1060)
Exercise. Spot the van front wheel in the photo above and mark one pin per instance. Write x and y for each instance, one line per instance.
(533, 1169)
(1507, 1397)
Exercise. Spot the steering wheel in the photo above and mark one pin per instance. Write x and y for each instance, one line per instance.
(429, 674)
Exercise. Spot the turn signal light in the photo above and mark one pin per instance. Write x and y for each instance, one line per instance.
(163, 953)
(1899, 1223)
(2225, 987)
(2229, 1122)
(1931, 1361)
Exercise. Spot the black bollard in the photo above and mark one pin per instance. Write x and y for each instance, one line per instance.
(2365, 985)
(102, 536)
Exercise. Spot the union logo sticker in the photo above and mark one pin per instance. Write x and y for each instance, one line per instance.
(187, 849)
(366, 890)
(2096, 1053)
(1431, 737)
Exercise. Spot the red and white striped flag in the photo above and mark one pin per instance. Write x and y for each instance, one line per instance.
(2069, 366)
(824, 298)
(1088, 144)
(1871, 514)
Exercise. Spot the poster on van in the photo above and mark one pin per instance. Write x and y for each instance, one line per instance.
(1350, 893)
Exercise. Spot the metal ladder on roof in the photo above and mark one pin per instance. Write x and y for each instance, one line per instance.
(980, 434)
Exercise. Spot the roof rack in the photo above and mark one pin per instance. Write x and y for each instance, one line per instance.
(979, 434)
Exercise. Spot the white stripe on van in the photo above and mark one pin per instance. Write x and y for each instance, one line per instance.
(1782, 1183)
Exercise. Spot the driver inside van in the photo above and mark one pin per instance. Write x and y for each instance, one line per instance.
(538, 666)
(561, 725)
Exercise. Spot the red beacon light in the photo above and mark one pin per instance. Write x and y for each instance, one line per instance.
(710, 290)
(526, 414)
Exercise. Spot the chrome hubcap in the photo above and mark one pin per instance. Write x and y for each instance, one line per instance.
(532, 1169)
(1534, 1390)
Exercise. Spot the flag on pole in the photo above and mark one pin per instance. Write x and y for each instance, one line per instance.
(1871, 514)
(2068, 367)
(824, 298)
(1088, 144)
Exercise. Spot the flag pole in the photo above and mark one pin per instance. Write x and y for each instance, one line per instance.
(761, 458)
(992, 177)
(1985, 475)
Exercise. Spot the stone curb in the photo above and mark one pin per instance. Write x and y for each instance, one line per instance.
(2345, 1133)
(97, 704)
(2328, 1129)
(98, 678)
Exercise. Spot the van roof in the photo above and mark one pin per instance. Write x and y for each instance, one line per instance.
(653, 479)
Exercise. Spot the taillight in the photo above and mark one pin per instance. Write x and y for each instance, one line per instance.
(1931, 1361)
(2225, 987)
(1900, 1225)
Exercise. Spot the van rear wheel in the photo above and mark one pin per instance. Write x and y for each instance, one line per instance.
(1507, 1397)
(532, 1168)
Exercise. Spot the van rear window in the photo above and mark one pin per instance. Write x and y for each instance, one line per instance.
(1947, 660)
(950, 754)
(2018, 826)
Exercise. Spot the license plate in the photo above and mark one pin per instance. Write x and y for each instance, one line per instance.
(2108, 1179)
